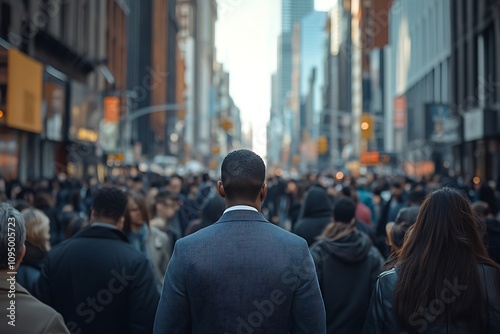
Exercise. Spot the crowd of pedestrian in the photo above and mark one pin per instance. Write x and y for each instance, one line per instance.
(252, 253)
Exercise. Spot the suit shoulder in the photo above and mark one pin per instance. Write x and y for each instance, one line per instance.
(287, 236)
(32, 306)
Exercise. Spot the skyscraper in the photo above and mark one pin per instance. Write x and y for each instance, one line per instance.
(292, 11)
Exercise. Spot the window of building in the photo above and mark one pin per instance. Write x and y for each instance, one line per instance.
(475, 10)
(63, 21)
(490, 80)
(4, 20)
(464, 15)
(464, 70)
(453, 8)
(85, 27)
(455, 80)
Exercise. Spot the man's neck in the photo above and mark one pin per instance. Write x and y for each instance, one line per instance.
(4, 274)
(254, 205)
(102, 220)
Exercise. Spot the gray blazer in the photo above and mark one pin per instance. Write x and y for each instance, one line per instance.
(158, 250)
(241, 275)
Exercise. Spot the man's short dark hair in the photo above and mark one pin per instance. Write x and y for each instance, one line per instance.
(109, 202)
(242, 174)
(344, 210)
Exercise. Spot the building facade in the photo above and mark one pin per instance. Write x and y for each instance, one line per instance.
(336, 116)
(206, 15)
(311, 83)
(59, 53)
(474, 91)
(292, 11)
(152, 81)
(425, 127)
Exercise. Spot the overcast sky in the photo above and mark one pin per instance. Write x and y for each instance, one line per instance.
(246, 40)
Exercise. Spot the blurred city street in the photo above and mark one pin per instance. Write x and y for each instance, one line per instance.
(249, 166)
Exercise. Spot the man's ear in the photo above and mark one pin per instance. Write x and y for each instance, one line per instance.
(120, 223)
(220, 189)
(263, 192)
(20, 255)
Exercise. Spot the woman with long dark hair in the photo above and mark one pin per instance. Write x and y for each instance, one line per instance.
(444, 280)
(149, 240)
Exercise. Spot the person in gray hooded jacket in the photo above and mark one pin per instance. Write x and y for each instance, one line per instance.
(347, 265)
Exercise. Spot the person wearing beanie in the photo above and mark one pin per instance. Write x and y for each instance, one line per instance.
(347, 265)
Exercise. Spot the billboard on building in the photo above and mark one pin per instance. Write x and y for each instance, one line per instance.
(441, 125)
(24, 93)
(109, 134)
(86, 113)
(400, 112)
(54, 96)
(474, 124)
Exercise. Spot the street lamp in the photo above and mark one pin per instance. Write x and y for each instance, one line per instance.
(130, 117)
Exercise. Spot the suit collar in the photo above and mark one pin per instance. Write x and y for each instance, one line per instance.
(101, 232)
(242, 215)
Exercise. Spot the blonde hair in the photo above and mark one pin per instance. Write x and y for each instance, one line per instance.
(37, 228)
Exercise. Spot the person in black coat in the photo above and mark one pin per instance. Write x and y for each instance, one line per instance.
(491, 237)
(388, 214)
(315, 216)
(97, 280)
(347, 264)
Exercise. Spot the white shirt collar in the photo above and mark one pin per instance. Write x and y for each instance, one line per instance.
(241, 207)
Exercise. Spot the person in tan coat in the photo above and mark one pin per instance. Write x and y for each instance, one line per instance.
(20, 312)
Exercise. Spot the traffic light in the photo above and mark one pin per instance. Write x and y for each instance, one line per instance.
(322, 145)
(181, 114)
(366, 125)
(226, 124)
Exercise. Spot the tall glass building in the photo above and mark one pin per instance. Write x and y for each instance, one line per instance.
(292, 11)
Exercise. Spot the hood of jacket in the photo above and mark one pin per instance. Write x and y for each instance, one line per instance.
(316, 204)
(352, 248)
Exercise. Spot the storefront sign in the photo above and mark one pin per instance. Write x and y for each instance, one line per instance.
(441, 126)
(24, 92)
(473, 124)
(86, 113)
(400, 112)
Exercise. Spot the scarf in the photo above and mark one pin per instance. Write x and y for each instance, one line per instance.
(138, 239)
